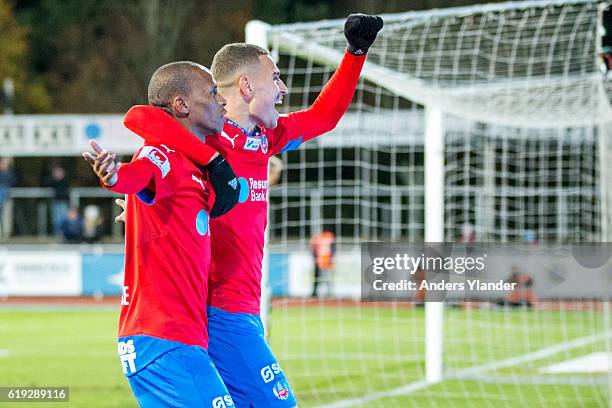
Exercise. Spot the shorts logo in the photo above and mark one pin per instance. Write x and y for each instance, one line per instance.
(127, 355)
(224, 401)
(268, 372)
(157, 157)
(252, 143)
(233, 183)
(281, 390)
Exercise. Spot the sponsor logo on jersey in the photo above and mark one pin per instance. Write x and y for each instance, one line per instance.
(224, 401)
(127, 355)
(157, 157)
(258, 189)
(202, 223)
(268, 372)
(252, 143)
(281, 390)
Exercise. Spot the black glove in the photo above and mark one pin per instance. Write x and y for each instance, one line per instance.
(360, 31)
(225, 184)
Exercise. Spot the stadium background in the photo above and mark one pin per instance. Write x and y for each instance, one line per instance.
(59, 319)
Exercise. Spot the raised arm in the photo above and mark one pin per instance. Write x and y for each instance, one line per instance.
(332, 103)
(156, 126)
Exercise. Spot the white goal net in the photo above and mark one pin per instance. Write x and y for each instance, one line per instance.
(513, 94)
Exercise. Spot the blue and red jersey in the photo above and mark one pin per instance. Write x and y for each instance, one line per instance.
(238, 236)
(167, 257)
(238, 243)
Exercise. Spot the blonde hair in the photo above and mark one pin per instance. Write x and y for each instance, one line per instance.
(235, 59)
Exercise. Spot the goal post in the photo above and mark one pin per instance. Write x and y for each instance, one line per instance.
(434, 232)
(489, 120)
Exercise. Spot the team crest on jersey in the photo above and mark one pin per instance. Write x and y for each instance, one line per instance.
(157, 157)
(281, 390)
(256, 140)
(264, 144)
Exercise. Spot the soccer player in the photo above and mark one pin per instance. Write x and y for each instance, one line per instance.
(250, 81)
(162, 328)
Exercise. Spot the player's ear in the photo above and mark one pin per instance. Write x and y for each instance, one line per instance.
(246, 89)
(179, 107)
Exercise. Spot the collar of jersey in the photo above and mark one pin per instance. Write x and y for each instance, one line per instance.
(256, 130)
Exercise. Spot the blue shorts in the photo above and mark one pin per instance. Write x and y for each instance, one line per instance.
(181, 377)
(237, 347)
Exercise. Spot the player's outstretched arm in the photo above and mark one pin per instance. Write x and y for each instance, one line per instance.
(156, 126)
(332, 103)
(126, 178)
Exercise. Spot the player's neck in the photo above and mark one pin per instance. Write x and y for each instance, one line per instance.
(192, 128)
(242, 119)
(238, 110)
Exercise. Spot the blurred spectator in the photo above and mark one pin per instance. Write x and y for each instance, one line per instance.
(522, 295)
(92, 224)
(275, 167)
(7, 181)
(606, 62)
(530, 237)
(59, 204)
(71, 226)
(468, 233)
(418, 278)
(323, 247)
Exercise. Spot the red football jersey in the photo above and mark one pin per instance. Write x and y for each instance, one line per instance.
(167, 254)
(238, 236)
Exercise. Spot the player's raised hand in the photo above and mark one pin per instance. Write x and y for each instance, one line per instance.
(360, 31)
(104, 164)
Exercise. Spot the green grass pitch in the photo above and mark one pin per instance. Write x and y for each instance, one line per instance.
(329, 353)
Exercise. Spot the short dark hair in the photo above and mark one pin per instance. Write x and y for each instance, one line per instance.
(171, 80)
(233, 59)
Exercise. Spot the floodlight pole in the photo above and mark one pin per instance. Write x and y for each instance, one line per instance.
(434, 232)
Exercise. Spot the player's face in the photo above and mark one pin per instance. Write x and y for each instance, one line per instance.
(206, 105)
(268, 91)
